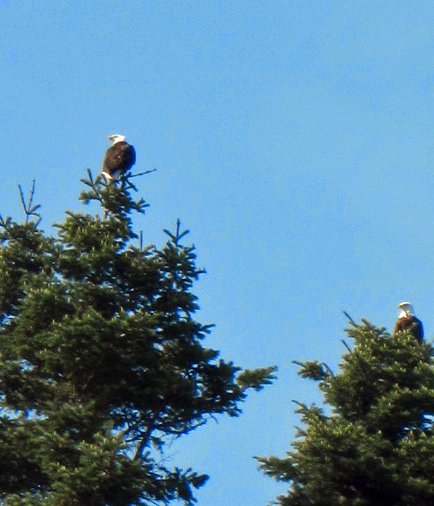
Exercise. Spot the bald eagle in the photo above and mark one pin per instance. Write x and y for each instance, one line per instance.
(407, 320)
(118, 159)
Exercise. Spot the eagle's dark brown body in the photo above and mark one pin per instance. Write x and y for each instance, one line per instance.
(405, 322)
(118, 159)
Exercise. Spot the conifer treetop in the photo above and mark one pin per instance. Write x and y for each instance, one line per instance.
(371, 442)
(102, 359)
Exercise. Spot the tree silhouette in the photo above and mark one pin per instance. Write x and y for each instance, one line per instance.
(101, 359)
(372, 442)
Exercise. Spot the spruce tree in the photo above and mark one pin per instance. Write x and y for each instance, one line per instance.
(372, 441)
(101, 359)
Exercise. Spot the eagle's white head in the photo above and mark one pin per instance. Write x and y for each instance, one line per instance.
(406, 309)
(116, 138)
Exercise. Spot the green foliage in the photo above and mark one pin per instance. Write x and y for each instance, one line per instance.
(257, 378)
(372, 442)
(101, 360)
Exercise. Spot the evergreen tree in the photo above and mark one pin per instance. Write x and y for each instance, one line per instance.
(101, 359)
(372, 442)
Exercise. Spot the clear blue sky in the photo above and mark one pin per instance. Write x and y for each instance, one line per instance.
(293, 138)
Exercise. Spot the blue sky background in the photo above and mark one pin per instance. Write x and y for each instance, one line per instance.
(294, 140)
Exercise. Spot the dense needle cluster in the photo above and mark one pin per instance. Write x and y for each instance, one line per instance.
(102, 361)
(372, 441)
